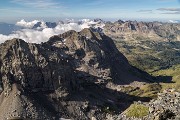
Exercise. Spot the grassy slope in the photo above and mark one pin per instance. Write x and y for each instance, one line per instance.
(152, 57)
(149, 55)
(174, 72)
(156, 59)
(137, 110)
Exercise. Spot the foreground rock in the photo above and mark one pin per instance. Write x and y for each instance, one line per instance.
(165, 107)
(65, 77)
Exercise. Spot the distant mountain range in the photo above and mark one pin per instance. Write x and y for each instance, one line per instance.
(36, 24)
(82, 74)
(143, 30)
(39, 31)
(29, 31)
(7, 29)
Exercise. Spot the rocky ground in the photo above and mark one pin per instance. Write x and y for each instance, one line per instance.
(165, 107)
(156, 31)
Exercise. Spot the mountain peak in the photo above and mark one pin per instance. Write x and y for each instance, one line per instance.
(58, 77)
(12, 42)
(88, 33)
(120, 21)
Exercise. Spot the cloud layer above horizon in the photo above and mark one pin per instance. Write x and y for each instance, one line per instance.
(37, 31)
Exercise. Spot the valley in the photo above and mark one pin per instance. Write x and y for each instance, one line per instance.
(106, 71)
(90, 60)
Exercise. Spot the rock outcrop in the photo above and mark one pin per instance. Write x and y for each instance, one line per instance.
(64, 77)
(166, 106)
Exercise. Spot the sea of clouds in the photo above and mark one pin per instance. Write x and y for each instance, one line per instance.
(42, 32)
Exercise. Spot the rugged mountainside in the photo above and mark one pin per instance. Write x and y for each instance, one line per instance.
(97, 55)
(156, 31)
(150, 46)
(65, 77)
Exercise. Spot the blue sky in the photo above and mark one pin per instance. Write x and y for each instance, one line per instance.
(13, 10)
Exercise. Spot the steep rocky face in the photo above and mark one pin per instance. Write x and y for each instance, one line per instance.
(64, 77)
(97, 55)
(148, 30)
(33, 66)
(32, 69)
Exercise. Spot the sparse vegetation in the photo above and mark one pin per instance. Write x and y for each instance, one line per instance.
(158, 58)
(151, 90)
(150, 55)
(147, 90)
(175, 73)
(137, 110)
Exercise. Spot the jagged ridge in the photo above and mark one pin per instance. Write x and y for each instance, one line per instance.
(66, 72)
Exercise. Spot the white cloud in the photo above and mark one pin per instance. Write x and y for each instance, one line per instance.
(3, 38)
(170, 10)
(174, 21)
(25, 24)
(37, 3)
(43, 33)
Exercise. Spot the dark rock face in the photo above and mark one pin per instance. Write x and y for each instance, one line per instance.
(32, 69)
(64, 77)
(33, 66)
(47, 24)
(97, 55)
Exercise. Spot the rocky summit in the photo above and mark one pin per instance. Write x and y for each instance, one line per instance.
(65, 77)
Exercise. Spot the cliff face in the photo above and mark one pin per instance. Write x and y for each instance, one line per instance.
(27, 69)
(33, 66)
(97, 55)
(55, 78)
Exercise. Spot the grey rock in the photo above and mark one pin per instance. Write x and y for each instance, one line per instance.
(64, 77)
